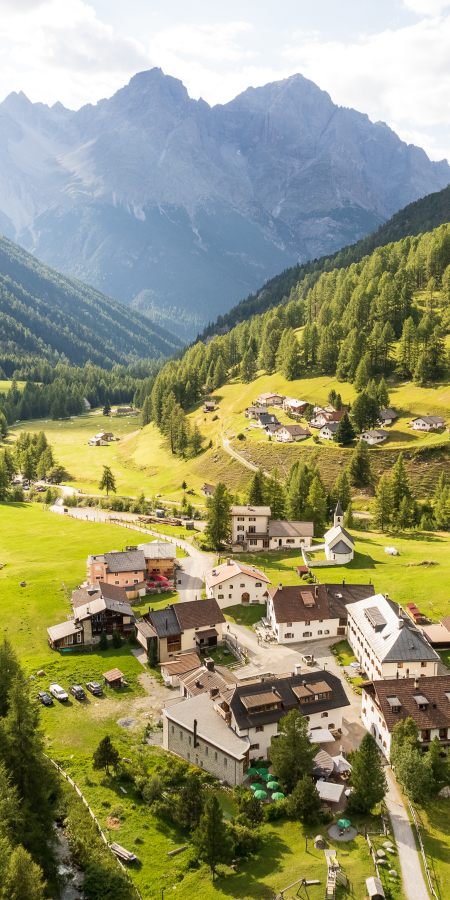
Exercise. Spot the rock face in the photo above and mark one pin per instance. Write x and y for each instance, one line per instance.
(180, 209)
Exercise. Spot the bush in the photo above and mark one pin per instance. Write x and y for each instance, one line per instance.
(214, 418)
(276, 810)
(116, 639)
(101, 883)
(103, 644)
(245, 840)
(240, 436)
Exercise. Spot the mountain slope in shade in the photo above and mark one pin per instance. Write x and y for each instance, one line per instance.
(47, 315)
(180, 209)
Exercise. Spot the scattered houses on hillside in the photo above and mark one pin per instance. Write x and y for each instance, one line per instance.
(251, 530)
(209, 406)
(270, 399)
(386, 642)
(426, 700)
(220, 730)
(388, 416)
(428, 423)
(102, 439)
(295, 407)
(374, 436)
(328, 431)
(233, 583)
(208, 489)
(288, 434)
(193, 626)
(300, 613)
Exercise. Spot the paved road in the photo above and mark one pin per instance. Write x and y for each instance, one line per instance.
(194, 566)
(413, 880)
(241, 459)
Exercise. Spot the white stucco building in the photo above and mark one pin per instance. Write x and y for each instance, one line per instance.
(233, 583)
(427, 701)
(251, 530)
(338, 543)
(311, 612)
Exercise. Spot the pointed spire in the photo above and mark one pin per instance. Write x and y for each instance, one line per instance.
(338, 511)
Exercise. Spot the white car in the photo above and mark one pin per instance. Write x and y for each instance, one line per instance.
(58, 692)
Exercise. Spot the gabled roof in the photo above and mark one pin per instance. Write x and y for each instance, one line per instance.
(202, 679)
(158, 550)
(376, 432)
(125, 561)
(281, 689)
(250, 510)
(332, 426)
(280, 528)
(210, 488)
(330, 602)
(270, 394)
(435, 688)
(199, 613)
(389, 642)
(56, 632)
(337, 532)
(388, 414)
(110, 591)
(100, 604)
(232, 569)
(341, 548)
(296, 429)
(210, 725)
(164, 622)
(430, 420)
(186, 663)
(268, 419)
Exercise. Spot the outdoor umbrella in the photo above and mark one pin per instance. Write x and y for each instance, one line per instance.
(255, 786)
(251, 771)
(263, 771)
(260, 795)
(266, 777)
(272, 785)
(278, 796)
(344, 823)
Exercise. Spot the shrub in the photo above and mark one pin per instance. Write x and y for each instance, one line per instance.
(101, 883)
(116, 638)
(214, 418)
(103, 643)
(240, 436)
(276, 810)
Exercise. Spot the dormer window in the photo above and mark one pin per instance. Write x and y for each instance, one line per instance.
(421, 701)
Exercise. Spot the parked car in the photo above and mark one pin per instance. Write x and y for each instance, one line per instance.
(44, 698)
(40, 488)
(77, 691)
(94, 687)
(58, 692)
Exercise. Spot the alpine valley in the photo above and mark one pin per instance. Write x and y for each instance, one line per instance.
(179, 209)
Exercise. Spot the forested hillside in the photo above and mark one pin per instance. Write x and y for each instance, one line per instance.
(416, 218)
(390, 311)
(45, 315)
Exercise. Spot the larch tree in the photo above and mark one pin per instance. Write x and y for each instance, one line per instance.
(316, 506)
(218, 516)
(383, 503)
(106, 755)
(108, 481)
(212, 839)
(359, 468)
(345, 432)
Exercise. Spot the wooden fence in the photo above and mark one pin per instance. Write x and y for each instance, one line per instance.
(92, 814)
(422, 850)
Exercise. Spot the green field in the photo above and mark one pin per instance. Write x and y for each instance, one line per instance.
(389, 574)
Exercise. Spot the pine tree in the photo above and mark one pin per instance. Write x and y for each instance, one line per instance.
(220, 374)
(105, 755)
(146, 412)
(383, 395)
(345, 432)
(248, 367)
(218, 516)
(275, 495)
(367, 776)
(342, 491)
(316, 506)
(349, 521)
(305, 802)
(107, 407)
(195, 441)
(399, 483)
(24, 879)
(212, 840)
(4, 482)
(257, 489)
(383, 503)
(363, 373)
(291, 367)
(291, 751)
(108, 481)
(403, 517)
(359, 469)
(190, 803)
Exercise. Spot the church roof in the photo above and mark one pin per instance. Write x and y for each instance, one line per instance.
(338, 511)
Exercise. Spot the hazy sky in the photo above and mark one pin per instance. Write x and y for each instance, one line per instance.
(388, 58)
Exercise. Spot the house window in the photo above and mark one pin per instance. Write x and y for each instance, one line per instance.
(324, 715)
(215, 756)
(423, 664)
(307, 634)
(136, 580)
(173, 729)
(290, 540)
(220, 587)
(190, 740)
(242, 585)
(225, 761)
(261, 728)
(206, 751)
(289, 634)
(252, 518)
(126, 582)
(288, 624)
(307, 623)
(319, 632)
(251, 529)
(230, 587)
(240, 528)
(181, 735)
(116, 582)
(254, 746)
(399, 665)
(442, 734)
(220, 596)
(258, 584)
(254, 543)
(326, 631)
(230, 596)
(79, 636)
(241, 519)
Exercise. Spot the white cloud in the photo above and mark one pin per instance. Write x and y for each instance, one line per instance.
(20, 6)
(426, 7)
(208, 42)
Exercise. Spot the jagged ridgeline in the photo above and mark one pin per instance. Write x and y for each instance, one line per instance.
(416, 218)
(45, 315)
(390, 311)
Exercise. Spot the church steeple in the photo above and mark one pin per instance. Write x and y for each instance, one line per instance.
(338, 514)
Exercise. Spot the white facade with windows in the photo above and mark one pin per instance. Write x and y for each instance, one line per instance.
(232, 584)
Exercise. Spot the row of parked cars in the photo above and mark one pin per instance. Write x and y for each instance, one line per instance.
(56, 691)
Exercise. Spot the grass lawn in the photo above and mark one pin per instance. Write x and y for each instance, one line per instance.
(388, 574)
(245, 615)
(434, 821)
(344, 653)
(220, 658)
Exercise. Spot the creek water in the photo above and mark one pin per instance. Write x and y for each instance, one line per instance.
(72, 875)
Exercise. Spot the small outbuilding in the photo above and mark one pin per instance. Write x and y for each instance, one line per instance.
(114, 678)
(375, 888)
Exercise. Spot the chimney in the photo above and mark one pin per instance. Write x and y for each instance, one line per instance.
(400, 623)
(298, 669)
(209, 663)
(343, 582)
(316, 590)
(195, 734)
(280, 586)
(304, 683)
(229, 562)
(213, 692)
(253, 568)
(416, 683)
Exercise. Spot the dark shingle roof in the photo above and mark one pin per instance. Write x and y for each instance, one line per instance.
(126, 561)
(435, 689)
(283, 687)
(268, 419)
(341, 547)
(108, 591)
(164, 622)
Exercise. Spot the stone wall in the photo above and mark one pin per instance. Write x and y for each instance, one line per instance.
(181, 741)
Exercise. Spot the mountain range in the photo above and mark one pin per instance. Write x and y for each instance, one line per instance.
(179, 209)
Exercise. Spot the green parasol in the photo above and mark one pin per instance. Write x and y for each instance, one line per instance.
(255, 786)
(251, 771)
(260, 795)
(344, 823)
(266, 777)
(277, 796)
(263, 771)
(272, 785)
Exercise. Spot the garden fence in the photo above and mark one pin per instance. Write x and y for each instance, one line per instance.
(91, 813)
(422, 850)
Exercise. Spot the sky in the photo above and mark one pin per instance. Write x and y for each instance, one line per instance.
(387, 58)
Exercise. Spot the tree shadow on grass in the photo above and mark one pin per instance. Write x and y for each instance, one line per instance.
(244, 883)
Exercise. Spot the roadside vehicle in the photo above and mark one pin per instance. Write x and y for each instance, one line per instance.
(58, 692)
(44, 698)
(77, 691)
(95, 688)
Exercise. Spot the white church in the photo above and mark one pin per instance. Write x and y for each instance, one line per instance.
(338, 543)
